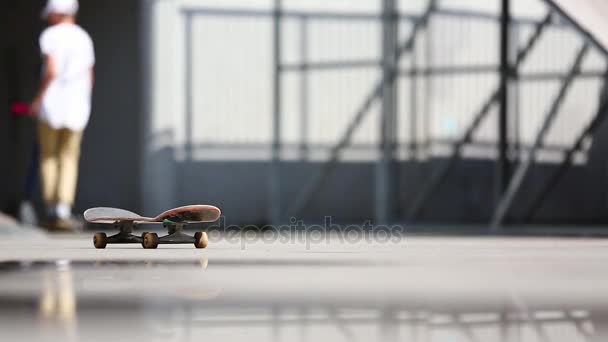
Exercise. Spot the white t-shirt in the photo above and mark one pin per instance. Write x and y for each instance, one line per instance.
(67, 101)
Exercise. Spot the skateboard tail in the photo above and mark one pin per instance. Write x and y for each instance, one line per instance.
(191, 213)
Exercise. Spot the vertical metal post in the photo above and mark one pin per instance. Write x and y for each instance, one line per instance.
(189, 86)
(304, 109)
(146, 34)
(428, 89)
(515, 92)
(414, 106)
(275, 172)
(502, 165)
(385, 175)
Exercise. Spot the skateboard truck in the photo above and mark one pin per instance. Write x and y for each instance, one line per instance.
(125, 235)
(176, 236)
(151, 240)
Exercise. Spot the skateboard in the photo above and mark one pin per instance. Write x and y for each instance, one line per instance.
(175, 220)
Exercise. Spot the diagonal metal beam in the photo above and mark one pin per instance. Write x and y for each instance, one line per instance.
(516, 182)
(439, 176)
(599, 118)
(319, 178)
(589, 36)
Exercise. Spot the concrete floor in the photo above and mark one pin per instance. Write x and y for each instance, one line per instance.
(60, 288)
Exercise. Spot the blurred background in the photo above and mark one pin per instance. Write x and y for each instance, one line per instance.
(453, 116)
(418, 111)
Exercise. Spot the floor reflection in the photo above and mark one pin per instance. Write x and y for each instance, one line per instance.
(120, 301)
(314, 323)
(57, 303)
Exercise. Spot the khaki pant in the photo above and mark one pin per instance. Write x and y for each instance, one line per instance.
(59, 157)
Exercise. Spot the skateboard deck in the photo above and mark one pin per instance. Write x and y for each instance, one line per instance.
(175, 220)
(189, 213)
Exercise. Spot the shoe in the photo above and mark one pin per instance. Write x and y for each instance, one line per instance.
(48, 223)
(65, 225)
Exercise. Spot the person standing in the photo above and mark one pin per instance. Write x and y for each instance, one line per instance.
(63, 105)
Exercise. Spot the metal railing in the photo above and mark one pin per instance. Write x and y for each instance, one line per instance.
(423, 65)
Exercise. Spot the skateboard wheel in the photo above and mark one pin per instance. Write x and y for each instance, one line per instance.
(150, 240)
(100, 240)
(143, 235)
(201, 240)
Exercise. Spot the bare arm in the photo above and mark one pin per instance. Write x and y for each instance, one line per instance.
(50, 72)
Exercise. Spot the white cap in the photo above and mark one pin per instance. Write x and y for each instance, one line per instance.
(67, 7)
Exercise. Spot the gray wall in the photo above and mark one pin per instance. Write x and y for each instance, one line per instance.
(4, 118)
(110, 155)
(466, 196)
(110, 151)
(19, 65)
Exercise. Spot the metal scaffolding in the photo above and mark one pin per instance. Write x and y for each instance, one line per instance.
(385, 89)
(512, 162)
(439, 176)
